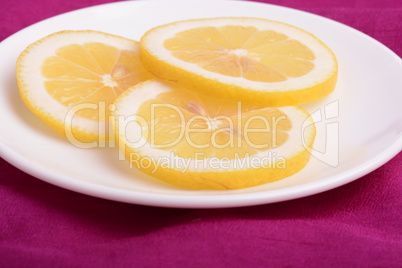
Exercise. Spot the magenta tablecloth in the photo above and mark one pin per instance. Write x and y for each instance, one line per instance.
(357, 225)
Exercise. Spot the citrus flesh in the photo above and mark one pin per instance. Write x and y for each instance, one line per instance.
(249, 59)
(69, 79)
(197, 141)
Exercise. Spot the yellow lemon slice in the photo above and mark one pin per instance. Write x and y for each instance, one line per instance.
(68, 79)
(250, 59)
(197, 141)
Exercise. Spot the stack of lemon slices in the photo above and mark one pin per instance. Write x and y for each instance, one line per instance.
(200, 104)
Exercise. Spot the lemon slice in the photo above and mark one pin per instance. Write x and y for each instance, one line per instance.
(251, 59)
(68, 79)
(196, 141)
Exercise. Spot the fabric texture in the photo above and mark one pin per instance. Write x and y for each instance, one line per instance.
(356, 225)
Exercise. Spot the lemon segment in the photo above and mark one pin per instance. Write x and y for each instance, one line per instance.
(250, 59)
(68, 79)
(197, 141)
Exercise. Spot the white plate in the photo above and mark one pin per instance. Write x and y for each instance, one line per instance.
(364, 114)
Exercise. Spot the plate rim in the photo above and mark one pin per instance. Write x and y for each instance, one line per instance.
(204, 201)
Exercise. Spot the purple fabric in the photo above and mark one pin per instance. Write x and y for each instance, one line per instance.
(357, 225)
